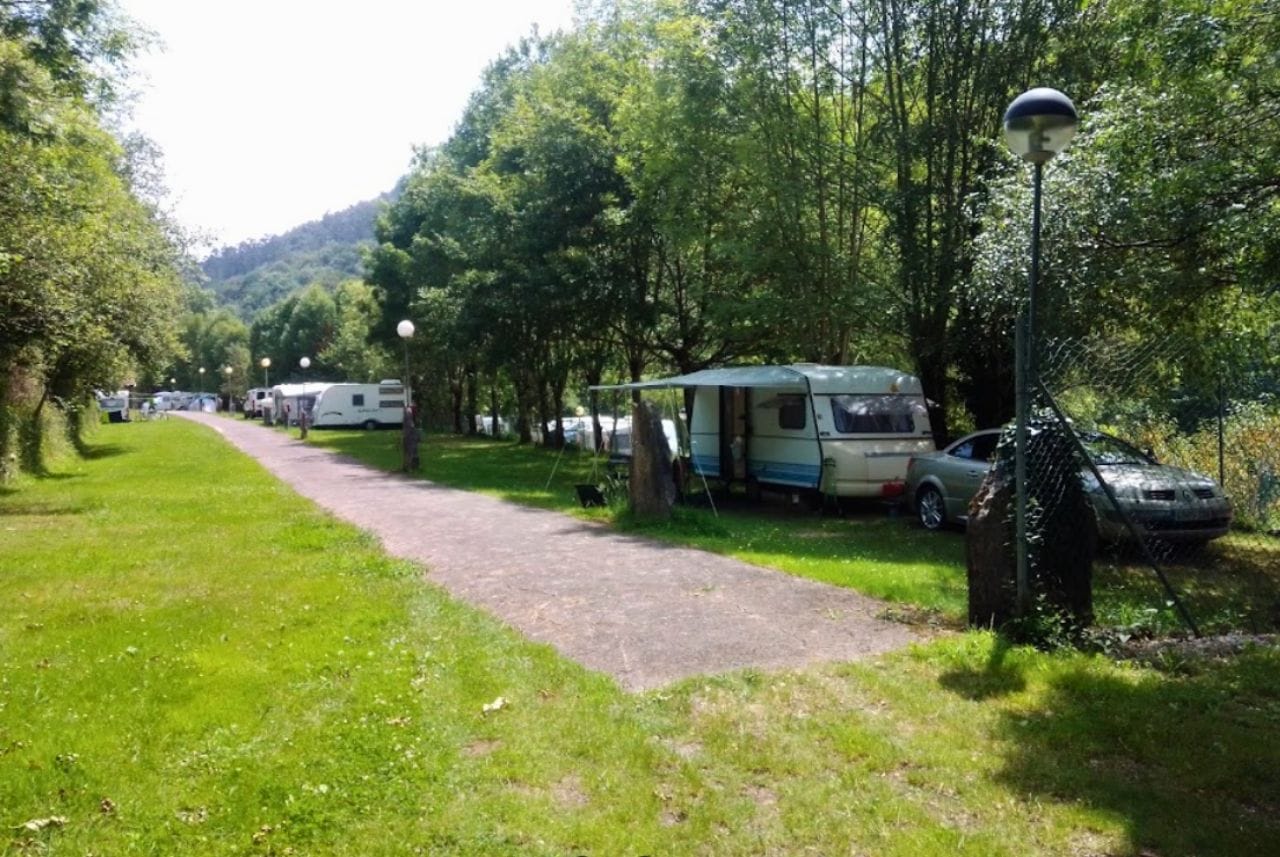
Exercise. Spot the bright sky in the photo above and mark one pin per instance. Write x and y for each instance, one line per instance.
(271, 113)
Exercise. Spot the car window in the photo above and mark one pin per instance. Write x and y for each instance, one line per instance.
(964, 450)
(984, 446)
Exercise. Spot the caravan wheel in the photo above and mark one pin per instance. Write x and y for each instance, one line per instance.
(369, 425)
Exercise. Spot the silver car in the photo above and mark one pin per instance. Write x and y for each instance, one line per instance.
(1165, 502)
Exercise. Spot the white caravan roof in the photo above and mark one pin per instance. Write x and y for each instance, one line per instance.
(826, 380)
(288, 391)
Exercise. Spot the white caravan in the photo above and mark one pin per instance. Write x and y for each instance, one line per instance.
(841, 431)
(367, 406)
(114, 405)
(288, 399)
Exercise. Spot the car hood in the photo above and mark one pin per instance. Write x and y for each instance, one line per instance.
(1136, 477)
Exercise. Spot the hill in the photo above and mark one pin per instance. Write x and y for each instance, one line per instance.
(254, 274)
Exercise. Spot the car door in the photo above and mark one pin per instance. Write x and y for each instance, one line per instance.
(968, 463)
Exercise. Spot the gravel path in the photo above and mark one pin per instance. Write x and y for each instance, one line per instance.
(644, 612)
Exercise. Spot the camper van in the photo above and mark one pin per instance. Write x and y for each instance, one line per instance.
(254, 399)
(842, 431)
(368, 406)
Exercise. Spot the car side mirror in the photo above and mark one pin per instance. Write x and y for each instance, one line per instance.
(1151, 454)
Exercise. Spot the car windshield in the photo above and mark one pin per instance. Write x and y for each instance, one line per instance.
(1106, 450)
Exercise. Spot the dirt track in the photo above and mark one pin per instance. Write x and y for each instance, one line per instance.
(643, 612)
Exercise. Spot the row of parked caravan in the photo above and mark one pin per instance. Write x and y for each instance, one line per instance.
(327, 405)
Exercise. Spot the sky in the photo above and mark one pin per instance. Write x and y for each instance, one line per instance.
(271, 113)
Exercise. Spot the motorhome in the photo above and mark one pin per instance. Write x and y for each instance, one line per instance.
(367, 406)
(838, 431)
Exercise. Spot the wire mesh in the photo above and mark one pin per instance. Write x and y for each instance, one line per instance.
(1171, 481)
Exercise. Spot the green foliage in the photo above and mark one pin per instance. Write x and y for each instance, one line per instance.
(89, 271)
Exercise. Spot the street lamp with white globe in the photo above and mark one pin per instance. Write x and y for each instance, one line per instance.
(305, 363)
(409, 435)
(265, 363)
(227, 370)
(1038, 124)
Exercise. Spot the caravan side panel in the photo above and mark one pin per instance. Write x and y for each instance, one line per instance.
(782, 447)
(704, 431)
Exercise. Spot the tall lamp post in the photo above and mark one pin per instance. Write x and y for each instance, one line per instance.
(265, 363)
(1038, 124)
(305, 363)
(230, 403)
(201, 379)
(408, 436)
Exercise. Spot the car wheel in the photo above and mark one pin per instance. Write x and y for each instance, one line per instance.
(370, 425)
(930, 509)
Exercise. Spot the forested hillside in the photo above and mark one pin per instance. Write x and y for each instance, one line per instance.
(256, 274)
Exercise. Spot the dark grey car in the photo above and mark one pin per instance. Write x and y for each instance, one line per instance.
(1165, 502)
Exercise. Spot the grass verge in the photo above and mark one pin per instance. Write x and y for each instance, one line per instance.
(196, 661)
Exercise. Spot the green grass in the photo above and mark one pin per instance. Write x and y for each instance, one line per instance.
(1231, 585)
(196, 661)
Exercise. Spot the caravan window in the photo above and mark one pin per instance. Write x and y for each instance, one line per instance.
(357, 400)
(873, 414)
(791, 412)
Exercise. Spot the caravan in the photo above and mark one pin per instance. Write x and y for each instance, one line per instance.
(288, 400)
(841, 431)
(114, 405)
(367, 406)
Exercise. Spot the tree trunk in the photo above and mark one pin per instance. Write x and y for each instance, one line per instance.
(473, 406)
(493, 408)
(652, 487)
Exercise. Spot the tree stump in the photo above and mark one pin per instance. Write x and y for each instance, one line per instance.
(1062, 533)
(652, 490)
(990, 551)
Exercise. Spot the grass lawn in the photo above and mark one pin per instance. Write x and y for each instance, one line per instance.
(196, 661)
(1232, 585)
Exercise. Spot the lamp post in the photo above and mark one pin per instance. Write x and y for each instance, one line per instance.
(408, 437)
(265, 363)
(201, 379)
(1038, 124)
(305, 363)
(230, 404)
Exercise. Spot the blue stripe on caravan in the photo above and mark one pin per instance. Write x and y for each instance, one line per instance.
(706, 465)
(786, 473)
(779, 472)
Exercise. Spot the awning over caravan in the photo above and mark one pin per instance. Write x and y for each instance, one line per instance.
(836, 380)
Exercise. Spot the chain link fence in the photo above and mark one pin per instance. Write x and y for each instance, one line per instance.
(1167, 475)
